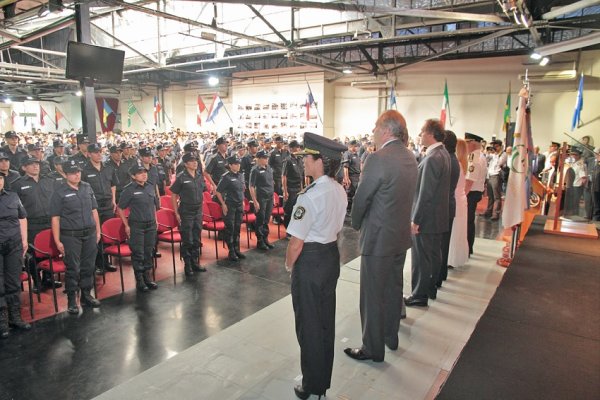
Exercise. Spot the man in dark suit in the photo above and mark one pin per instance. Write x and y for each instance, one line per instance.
(538, 162)
(381, 211)
(429, 214)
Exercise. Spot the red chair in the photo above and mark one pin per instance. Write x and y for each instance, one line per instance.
(113, 242)
(167, 226)
(168, 190)
(165, 202)
(206, 197)
(212, 220)
(50, 258)
(25, 277)
(248, 218)
(277, 212)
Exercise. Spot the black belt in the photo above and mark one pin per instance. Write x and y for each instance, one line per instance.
(78, 232)
(141, 224)
(314, 246)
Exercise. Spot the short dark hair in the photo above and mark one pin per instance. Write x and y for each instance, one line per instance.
(434, 126)
(450, 141)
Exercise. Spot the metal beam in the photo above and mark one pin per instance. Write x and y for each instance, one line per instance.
(39, 59)
(568, 45)
(41, 51)
(365, 53)
(147, 57)
(263, 19)
(578, 5)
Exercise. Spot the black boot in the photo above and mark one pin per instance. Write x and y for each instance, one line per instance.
(238, 253)
(261, 245)
(196, 267)
(140, 285)
(72, 303)
(268, 244)
(187, 268)
(14, 317)
(87, 300)
(232, 255)
(148, 280)
(3, 323)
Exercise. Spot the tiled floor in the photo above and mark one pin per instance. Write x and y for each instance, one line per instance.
(258, 357)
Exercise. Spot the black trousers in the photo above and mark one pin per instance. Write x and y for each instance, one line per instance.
(190, 228)
(11, 252)
(352, 189)
(104, 214)
(314, 279)
(141, 243)
(445, 249)
(262, 217)
(472, 199)
(79, 259)
(381, 301)
(426, 255)
(233, 223)
(288, 206)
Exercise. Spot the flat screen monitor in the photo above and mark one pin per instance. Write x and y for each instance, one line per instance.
(103, 65)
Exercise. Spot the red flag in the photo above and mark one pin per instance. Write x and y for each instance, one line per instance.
(57, 116)
(43, 114)
(201, 108)
(157, 109)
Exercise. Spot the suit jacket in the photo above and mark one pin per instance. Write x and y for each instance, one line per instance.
(540, 163)
(454, 175)
(430, 206)
(381, 205)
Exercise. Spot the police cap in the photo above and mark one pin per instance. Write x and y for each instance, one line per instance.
(82, 138)
(136, 169)
(221, 140)
(71, 167)
(60, 160)
(10, 134)
(190, 147)
(33, 146)
(94, 148)
(57, 143)
(4, 156)
(262, 154)
(233, 160)
(252, 143)
(319, 145)
(145, 152)
(294, 144)
(575, 150)
(114, 149)
(472, 136)
(353, 142)
(189, 157)
(555, 144)
(30, 160)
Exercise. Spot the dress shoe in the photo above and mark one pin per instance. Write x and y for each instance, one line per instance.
(188, 270)
(232, 256)
(87, 300)
(450, 267)
(359, 354)
(402, 316)
(413, 301)
(269, 245)
(433, 294)
(157, 254)
(47, 284)
(110, 268)
(391, 342)
(303, 394)
(72, 303)
(99, 271)
(198, 268)
(495, 218)
(150, 284)
(262, 246)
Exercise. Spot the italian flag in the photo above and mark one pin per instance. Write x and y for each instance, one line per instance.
(445, 106)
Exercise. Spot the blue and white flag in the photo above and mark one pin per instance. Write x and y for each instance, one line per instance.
(392, 97)
(578, 106)
(215, 107)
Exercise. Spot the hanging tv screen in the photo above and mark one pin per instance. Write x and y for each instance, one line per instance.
(102, 64)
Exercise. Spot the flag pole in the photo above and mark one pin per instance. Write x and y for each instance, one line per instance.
(316, 108)
(227, 112)
(138, 113)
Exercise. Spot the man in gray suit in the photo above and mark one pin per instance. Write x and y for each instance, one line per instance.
(429, 214)
(381, 211)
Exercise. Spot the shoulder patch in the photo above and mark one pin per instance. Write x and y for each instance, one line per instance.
(299, 213)
(471, 168)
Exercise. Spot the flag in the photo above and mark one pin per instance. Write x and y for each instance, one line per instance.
(310, 100)
(578, 106)
(392, 97)
(201, 108)
(57, 117)
(43, 114)
(13, 114)
(215, 107)
(517, 196)
(445, 106)
(106, 111)
(506, 119)
(157, 109)
(130, 111)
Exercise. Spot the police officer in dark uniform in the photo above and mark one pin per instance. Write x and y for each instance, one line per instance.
(58, 176)
(12, 150)
(314, 260)
(261, 191)
(81, 158)
(146, 161)
(140, 197)
(351, 163)
(217, 165)
(127, 161)
(13, 244)
(103, 181)
(164, 169)
(276, 159)
(58, 149)
(292, 180)
(188, 148)
(35, 151)
(230, 192)
(35, 192)
(187, 196)
(76, 231)
(248, 162)
(10, 175)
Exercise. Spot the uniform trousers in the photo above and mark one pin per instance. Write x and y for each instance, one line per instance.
(262, 217)
(472, 199)
(426, 255)
(494, 192)
(278, 189)
(190, 228)
(79, 258)
(354, 178)
(381, 301)
(288, 206)
(314, 279)
(104, 213)
(10, 271)
(142, 240)
(233, 223)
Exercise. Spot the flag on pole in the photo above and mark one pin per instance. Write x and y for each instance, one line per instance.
(13, 114)
(310, 100)
(578, 106)
(201, 108)
(106, 111)
(517, 196)
(506, 118)
(43, 114)
(157, 109)
(57, 117)
(392, 97)
(215, 107)
(130, 111)
(445, 107)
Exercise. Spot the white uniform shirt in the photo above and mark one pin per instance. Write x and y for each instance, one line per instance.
(496, 163)
(319, 212)
(580, 172)
(476, 171)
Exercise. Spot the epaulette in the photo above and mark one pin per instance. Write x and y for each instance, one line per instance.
(179, 174)
(306, 189)
(129, 184)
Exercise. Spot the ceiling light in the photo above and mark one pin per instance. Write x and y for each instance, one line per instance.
(8, 100)
(544, 61)
(347, 70)
(28, 81)
(78, 93)
(29, 98)
(213, 81)
(536, 56)
(216, 68)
